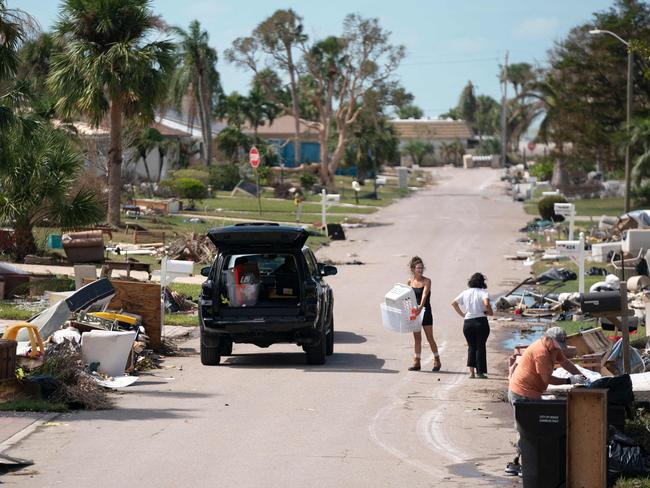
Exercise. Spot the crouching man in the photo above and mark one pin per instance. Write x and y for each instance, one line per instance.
(534, 373)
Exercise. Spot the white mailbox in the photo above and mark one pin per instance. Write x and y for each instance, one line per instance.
(575, 250)
(356, 186)
(564, 209)
(550, 193)
(381, 181)
(180, 267)
(333, 197)
(568, 248)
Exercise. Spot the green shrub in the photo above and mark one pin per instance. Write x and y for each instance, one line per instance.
(187, 188)
(224, 176)
(641, 195)
(542, 169)
(307, 180)
(546, 210)
(203, 175)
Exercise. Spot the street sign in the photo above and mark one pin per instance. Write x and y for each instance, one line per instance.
(531, 146)
(564, 209)
(254, 157)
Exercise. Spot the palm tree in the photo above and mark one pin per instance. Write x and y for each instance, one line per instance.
(14, 25)
(640, 134)
(418, 150)
(110, 66)
(258, 110)
(36, 185)
(143, 142)
(196, 75)
(542, 99)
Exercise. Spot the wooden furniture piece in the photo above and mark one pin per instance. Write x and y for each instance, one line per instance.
(7, 359)
(587, 438)
(127, 266)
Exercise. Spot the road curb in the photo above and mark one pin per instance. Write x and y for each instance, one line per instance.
(27, 431)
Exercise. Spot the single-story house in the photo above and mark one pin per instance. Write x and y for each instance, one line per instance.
(281, 134)
(96, 143)
(435, 131)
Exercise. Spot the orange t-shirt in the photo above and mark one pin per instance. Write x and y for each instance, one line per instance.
(532, 375)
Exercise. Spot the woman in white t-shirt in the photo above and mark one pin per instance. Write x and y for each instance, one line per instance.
(476, 328)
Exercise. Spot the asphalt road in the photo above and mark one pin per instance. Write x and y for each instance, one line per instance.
(265, 418)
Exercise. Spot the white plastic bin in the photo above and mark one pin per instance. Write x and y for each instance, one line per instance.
(241, 294)
(397, 320)
(401, 297)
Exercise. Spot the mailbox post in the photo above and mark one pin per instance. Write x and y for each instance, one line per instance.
(325, 198)
(575, 250)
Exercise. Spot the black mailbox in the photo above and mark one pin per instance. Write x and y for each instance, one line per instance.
(601, 302)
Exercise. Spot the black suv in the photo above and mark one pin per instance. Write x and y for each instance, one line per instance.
(264, 287)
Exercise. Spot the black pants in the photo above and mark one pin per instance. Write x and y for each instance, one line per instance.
(476, 333)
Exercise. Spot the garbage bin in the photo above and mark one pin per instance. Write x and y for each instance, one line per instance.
(542, 442)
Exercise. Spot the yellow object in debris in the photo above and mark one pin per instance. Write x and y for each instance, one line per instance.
(127, 319)
(11, 333)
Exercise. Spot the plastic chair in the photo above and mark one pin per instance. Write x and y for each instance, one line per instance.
(11, 333)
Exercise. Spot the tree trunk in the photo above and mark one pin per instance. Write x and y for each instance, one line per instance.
(294, 106)
(115, 163)
(323, 137)
(161, 162)
(25, 243)
(337, 155)
(206, 120)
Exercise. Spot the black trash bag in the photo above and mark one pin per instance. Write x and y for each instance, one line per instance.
(595, 271)
(555, 274)
(625, 457)
(619, 391)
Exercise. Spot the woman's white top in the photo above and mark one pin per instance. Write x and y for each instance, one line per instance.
(472, 301)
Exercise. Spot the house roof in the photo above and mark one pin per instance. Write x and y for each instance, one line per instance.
(167, 130)
(427, 129)
(283, 127)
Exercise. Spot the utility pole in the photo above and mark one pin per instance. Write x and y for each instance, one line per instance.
(504, 100)
(628, 120)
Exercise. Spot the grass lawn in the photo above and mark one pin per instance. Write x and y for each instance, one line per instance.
(595, 207)
(568, 286)
(11, 311)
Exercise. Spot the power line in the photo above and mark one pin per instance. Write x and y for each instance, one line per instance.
(452, 61)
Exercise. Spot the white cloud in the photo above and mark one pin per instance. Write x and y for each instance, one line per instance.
(536, 29)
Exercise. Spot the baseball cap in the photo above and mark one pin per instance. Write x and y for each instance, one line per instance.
(558, 334)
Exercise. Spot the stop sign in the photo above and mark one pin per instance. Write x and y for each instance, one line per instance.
(531, 146)
(254, 157)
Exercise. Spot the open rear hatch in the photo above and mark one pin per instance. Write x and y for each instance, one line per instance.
(254, 236)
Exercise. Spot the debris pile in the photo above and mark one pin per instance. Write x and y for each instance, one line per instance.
(194, 247)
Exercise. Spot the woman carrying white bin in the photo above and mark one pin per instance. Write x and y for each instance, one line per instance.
(422, 288)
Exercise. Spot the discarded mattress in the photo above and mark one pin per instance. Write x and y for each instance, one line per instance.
(95, 295)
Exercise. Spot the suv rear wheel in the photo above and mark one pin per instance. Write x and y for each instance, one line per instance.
(316, 352)
(210, 350)
(329, 349)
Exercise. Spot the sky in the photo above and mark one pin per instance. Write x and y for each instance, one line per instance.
(448, 42)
